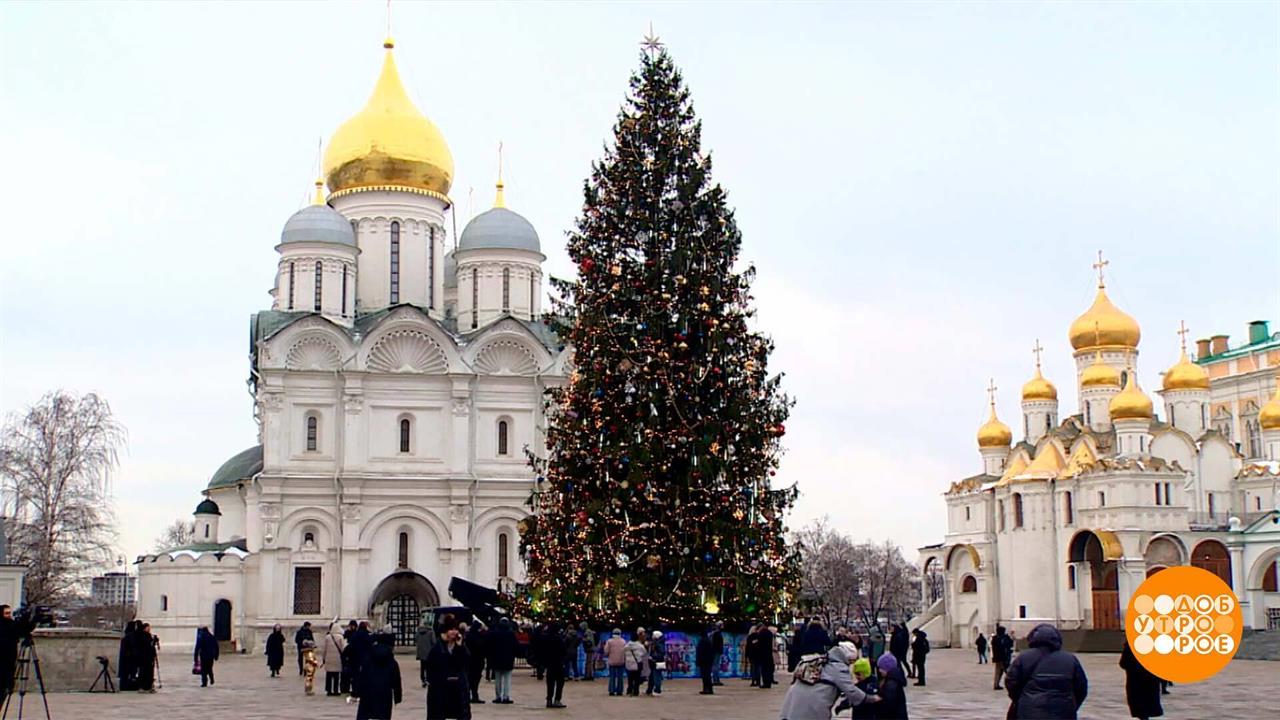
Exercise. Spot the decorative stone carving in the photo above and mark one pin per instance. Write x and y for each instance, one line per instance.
(506, 357)
(269, 510)
(353, 403)
(270, 400)
(313, 352)
(458, 513)
(350, 512)
(461, 407)
(407, 351)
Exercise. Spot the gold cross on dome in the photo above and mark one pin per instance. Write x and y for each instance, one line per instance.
(1182, 333)
(1036, 351)
(991, 392)
(1100, 266)
(651, 44)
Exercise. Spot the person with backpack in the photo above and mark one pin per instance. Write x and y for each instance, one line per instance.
(919, 652)
(819, 681)
(1045, 681)
(1001, 654)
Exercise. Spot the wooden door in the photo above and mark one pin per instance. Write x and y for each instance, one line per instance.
(1106, 610)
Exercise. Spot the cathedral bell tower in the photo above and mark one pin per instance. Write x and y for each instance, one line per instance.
(1185, 390)
(1039, 404)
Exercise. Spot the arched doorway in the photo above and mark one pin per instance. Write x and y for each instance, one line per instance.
(222, 620)
(399, 601)
(1100, 549)
(934, 580)
(1212, 555)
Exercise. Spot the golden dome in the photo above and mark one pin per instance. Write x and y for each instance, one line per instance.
(1269, 416)
(389, 143)
(1104, 324)
(1099, 373)
(1131, 403)
(1186, 375)
(994, 433)
(1038, 388)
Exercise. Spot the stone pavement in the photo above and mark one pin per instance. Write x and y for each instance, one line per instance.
(958, 688)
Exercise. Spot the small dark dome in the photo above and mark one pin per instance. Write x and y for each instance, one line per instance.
(207, 507)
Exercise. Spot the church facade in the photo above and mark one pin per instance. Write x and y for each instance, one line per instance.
(1063, 525)
(398, 380)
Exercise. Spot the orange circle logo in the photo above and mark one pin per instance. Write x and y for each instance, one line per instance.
(1184, 624)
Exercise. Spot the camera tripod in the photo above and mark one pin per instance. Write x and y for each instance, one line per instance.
(27, 659)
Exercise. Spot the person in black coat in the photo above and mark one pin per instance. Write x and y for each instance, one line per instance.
(502, 660)
(378, 683)
(899, 643)
(304, 633)
(476, 639)
(359, 647)
(816, 639)
(717, 644)
(275, 650)
(794, 647)
(919, 652)
(1141, 686)
(447, 666)
(705, 657)
(206, 653)
(892, 690)
(1001, 654)
(764, 656)
(125, 666)
(9, 636)
(981, 645)
(553, 655)
(144, 653)
(1045, 681)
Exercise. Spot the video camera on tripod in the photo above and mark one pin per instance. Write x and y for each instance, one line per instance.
(26, 620)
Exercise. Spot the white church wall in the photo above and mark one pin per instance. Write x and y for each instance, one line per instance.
(232, 524)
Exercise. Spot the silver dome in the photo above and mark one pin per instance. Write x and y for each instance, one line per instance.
(499, 228)
(318, 223)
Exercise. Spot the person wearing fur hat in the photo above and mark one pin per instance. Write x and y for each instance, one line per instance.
(811, 695)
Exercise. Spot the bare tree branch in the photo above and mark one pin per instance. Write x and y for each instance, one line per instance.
(179, 533)
(842, 581)
(55, 472)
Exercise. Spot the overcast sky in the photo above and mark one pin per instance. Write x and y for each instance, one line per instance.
(922, 188)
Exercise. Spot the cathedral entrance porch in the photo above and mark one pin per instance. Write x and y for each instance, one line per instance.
(1098, 550)
(399, 600)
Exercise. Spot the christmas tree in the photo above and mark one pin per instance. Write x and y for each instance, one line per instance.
(655, 502)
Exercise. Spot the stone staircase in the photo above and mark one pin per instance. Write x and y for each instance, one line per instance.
(933, 621)
(1259, 645)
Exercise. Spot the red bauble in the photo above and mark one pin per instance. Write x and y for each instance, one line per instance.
(587, 264)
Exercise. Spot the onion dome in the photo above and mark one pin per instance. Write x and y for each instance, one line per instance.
(318, 223)
(499, 228)
(1099, 374)
(1038, 388)
(1269, 416)
(207, 507)
(1104, 325)
(389, 144)
(1131, 403)
(1186, 375)
(994, 433)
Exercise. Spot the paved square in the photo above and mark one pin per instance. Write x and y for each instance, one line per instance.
(958, 688)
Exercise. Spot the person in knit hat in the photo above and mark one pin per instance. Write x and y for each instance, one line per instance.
(892, 688)
(810, 700)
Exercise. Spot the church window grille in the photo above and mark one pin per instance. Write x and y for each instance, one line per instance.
(1017, 510)
(475, 299)
(506, 289)
(291, 273)
(306, 591)
(403, 551)
(504, 551)
(313, 428)
(502, 437)
(1000, 515)
(319, 284)
(164, 603)
(1102, 499)
(406, 429)
(1068, 511)
(1071, 577)
(344, 290)
(395, 263)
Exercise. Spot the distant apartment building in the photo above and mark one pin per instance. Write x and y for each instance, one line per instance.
(115, 588)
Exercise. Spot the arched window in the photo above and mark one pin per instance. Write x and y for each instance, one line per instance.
(1000, 515)
(313, 432)
(291, 275)
(504, 550)
(969, 584)
(1269, 578)
(395, 263)
(403, 550)
(1048, 423)
(431, 268)
(1102, 499)
(533, 293)
(506, 289)
(164, 603)
(475, 298)
(1173, 415)
(206, 531)
(1069, 512)
(502, 437)
(344, 290)
(319, 283)
(1124, 378)
(406, 428)
(308, 539)
(1254, 434)
(1071, 577)
(1017, 510)
(966, 513)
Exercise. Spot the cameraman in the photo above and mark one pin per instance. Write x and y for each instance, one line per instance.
(11, 631)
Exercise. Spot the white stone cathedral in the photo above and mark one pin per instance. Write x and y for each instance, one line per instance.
(398, 382)
(1064, 525)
